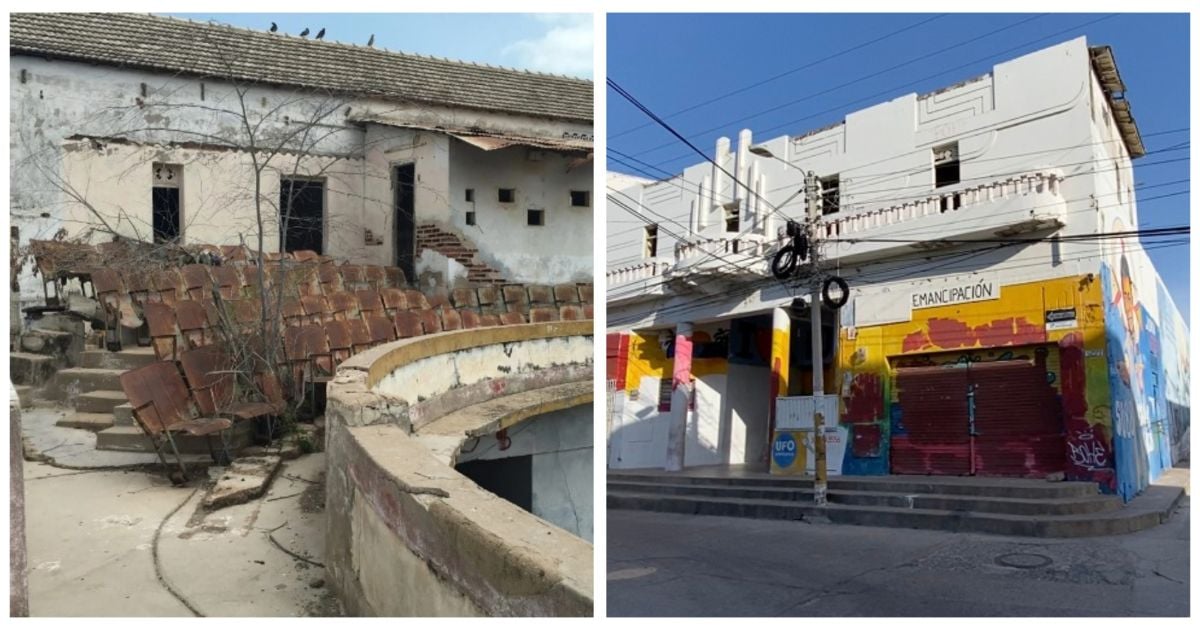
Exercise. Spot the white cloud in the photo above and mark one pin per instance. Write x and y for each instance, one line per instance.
(564, 48)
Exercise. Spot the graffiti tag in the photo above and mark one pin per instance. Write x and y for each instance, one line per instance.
(1088, 452)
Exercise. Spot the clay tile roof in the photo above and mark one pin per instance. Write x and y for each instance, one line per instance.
(212, 50)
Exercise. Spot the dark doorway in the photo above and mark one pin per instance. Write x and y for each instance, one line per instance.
(166, 214)
(403, 180)
(302, 215)
(510, 478)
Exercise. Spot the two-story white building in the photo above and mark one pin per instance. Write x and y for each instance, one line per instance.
(161, 129)
(988, 330)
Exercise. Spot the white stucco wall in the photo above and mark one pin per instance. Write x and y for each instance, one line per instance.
(1034, 113)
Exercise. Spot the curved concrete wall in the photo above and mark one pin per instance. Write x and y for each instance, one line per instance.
(409, 535)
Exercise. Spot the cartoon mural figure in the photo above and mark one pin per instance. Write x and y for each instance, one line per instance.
(1131, 361)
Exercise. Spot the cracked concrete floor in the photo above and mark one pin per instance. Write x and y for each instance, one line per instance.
(90, 535)
(680, 565)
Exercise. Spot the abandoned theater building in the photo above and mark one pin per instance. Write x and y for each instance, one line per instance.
(213, 226)
(1003, 317)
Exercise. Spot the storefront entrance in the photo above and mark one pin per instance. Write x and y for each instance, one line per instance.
(997, 418)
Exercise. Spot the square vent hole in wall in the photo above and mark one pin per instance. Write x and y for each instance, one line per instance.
(470, 195)
(535, 217)
(581, 198)
(167, 215)
(507, 195)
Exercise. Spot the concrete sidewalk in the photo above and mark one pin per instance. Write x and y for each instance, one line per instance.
(679, 565)
(90, 537)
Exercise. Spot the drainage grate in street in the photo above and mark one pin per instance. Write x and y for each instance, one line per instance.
(1023, 560)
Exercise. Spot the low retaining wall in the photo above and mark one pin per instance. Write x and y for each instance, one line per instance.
(409, 535)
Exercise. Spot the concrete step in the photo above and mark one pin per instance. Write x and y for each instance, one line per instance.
(25, 368)
(952, 502)
(132, 439)
(901, 484)
(1133, 517)
(60, 344)
(126, 359)
(68, 384)
(24, 395)
(123, 415)
(87, 421)
(100, 401)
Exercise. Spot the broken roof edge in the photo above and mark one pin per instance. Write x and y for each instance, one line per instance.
(487, 140)
(1104, 68)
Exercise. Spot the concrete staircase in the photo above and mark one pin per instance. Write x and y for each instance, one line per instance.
(94, 390)
(1015, 507)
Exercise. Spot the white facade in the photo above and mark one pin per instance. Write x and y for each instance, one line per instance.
(84, 138)
(1034, 121)
(1040, 155)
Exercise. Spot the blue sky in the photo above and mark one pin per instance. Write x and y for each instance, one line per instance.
(558, 43)
(671, 62)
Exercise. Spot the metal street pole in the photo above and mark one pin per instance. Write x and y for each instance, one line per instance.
(820, 483)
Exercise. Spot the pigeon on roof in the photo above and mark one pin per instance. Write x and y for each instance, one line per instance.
(304, 33)
(320, 34)
(274, 27)
(371, 42)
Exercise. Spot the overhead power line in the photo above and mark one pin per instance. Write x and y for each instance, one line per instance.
(781, 75)
(876, 95)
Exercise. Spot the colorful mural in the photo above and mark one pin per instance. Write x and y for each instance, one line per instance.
(1066, 312)
(1176, 359)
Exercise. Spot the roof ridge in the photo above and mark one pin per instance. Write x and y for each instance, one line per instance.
(209, 47)
(382, 49)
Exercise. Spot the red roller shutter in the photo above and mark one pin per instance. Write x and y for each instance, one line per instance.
(934, 438)
(1018, 421)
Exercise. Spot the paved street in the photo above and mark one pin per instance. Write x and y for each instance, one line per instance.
(676, 565)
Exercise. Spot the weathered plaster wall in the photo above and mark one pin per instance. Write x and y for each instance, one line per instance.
(560, 444)
(433, 376)
(175, 119)
(217, 196)
(560, 250)
(404, 542)
(452, 547)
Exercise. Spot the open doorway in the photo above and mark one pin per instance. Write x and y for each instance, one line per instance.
(302, 215)
(403, 180)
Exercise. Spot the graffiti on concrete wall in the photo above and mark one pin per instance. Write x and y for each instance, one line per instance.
(1089, 453)
(1013, 327)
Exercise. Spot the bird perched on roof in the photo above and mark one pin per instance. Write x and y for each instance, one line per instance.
(320, 34)
(274, 27)
(371, 42)
(304, 33)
